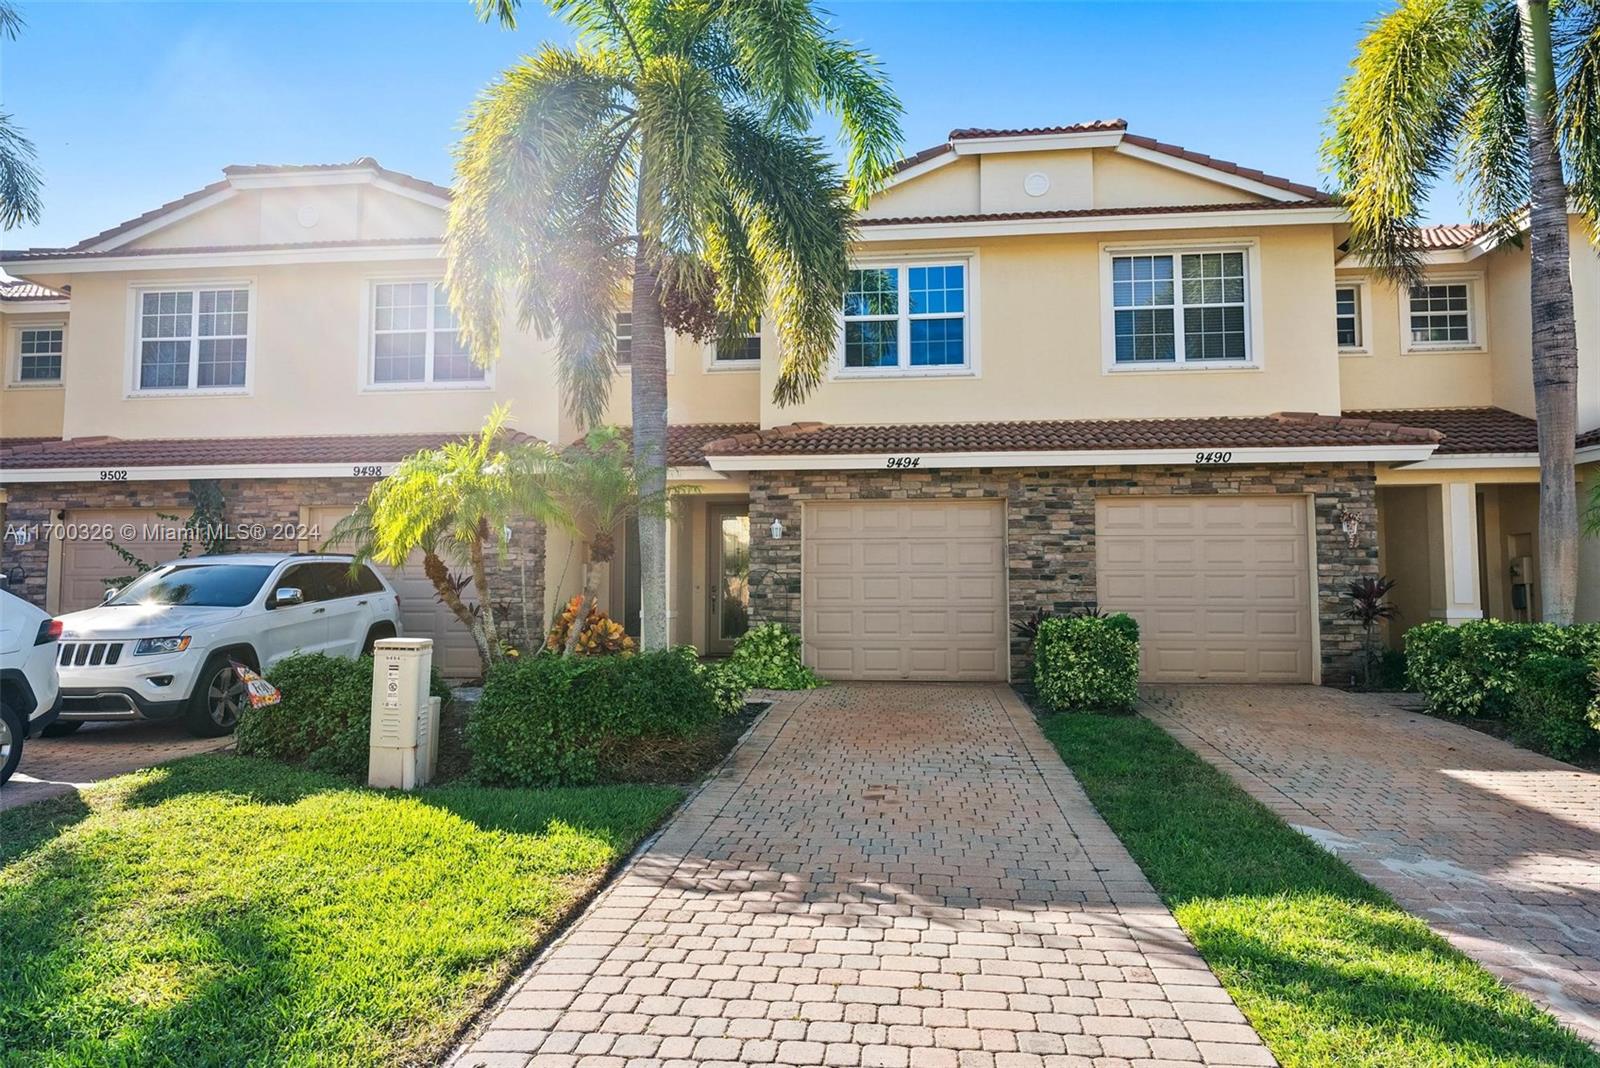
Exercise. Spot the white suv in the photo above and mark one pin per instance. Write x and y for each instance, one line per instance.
(161, 647)
(30, 696)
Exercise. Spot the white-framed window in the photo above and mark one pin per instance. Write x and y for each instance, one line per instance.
(912, 317)
(623, 325)
(1349, 317)
(39, 350)
(192, 339)
(1441, 314)
(416, 339)
(1182, 306)
(743, 356)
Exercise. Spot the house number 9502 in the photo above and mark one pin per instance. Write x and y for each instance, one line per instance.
(900, 463)
(1213, 457)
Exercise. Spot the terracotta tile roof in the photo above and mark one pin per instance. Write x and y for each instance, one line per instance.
(22, 255)
(1283, 430)
(1475, 430)
(1090, 213)
(686, 442)
(15, 289)
(1454, 235)
(186, 452)
(1101, 125)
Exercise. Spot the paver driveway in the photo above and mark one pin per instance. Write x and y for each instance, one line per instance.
(1496, 847)
(882, 875)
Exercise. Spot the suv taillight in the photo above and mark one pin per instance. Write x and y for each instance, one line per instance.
(49, 631)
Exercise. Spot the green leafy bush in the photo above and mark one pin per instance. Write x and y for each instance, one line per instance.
(1594, 704)
(728, 687)
(1087, 663)
(325, 718)
(549, 719)
(1471, 669)
(1549, 707)
(768, 657)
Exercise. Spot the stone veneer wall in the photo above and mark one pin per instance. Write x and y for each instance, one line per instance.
(248, 503)
(1050, 526)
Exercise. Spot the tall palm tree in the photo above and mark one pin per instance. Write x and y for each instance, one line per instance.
(19, 180)
(456, 500)
(666, 160)
(1511, 91)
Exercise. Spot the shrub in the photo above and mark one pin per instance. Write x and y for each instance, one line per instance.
(553, 719)
(768, 657)
(1471, 669)
(325, 718)
(600, 635)
(1550, 705)
(1087, 663)
(728, 687)
(1594, 704)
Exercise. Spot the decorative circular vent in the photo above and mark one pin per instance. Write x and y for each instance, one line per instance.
(1036, 184)
(307, 215)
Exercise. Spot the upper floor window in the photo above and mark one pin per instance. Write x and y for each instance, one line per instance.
(416, 339)
(194, 339)
(908, 318)
(746, 352)
(39, 350)
(624, 331)
(1180, 307)
(1348, 326)
(1440, 315)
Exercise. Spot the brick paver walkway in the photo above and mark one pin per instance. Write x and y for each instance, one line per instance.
(1496, 847)
(54, 766)
(882, 875)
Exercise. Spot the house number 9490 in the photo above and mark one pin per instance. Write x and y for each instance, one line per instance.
(1213, 457)
(900, 463)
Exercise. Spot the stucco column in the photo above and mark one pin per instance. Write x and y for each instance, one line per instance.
(1458, 528)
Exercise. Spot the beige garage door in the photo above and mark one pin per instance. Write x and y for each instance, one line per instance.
(1221, 586)
(421, 614)
(88, 561)
(905, 589)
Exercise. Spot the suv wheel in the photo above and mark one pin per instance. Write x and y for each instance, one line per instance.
(12, 733)
(219, 696)
(377, 631)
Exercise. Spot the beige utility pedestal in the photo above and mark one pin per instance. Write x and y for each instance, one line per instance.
(405, 719)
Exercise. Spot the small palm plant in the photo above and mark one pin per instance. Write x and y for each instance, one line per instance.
(456, 500)
(1369, 606)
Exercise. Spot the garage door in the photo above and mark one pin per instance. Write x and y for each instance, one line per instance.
(88, 562)
(905, 589)
(421, 614)
(1221, 586)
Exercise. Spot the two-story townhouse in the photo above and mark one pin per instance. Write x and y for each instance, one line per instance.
(1076, 366)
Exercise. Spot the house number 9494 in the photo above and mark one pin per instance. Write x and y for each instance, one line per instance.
(1213, 457)
(901, 463)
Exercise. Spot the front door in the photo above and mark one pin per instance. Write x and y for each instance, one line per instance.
(728, 528)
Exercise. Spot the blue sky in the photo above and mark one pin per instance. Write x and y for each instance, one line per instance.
(134, 104)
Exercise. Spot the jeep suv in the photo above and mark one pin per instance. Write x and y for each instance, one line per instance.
(161, 647)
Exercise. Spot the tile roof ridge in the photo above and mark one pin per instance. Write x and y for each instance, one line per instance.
(1395, 431)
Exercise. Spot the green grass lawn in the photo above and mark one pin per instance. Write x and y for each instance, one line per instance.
(1328, 968)
(227, 911)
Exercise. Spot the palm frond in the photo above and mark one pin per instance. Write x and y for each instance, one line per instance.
(502, 11)
(777, 46)
(1394, 121)
(797, 222)
(11, 21)
(19, 178)
(1578, 101)
(853, 88)
(683, 124)
(1494, 128)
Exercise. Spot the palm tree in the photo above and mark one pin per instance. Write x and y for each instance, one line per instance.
(665, 159)
(456, 500)
(597, 487)
(19, 181)
(1512, 91)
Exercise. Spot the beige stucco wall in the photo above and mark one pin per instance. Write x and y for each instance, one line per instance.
(301, 213)
(1040, 303)
(1589, 552)
(29, 411)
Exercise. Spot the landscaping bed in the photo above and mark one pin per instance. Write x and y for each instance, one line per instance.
(1329, 969)
(223, 910)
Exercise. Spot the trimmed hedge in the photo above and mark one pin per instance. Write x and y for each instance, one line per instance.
(1549, 706)
(1087, 663)
(1471, 669)
(768, 657)
(550, 720)
(325, 718)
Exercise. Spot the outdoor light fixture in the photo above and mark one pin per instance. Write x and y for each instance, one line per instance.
(777, 530)
(1350, 523)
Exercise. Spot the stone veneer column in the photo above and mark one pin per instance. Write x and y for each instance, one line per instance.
(1050, 555)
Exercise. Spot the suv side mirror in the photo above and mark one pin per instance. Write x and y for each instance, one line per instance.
(284, 596)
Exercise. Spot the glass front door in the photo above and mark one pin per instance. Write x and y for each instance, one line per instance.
(729, 527)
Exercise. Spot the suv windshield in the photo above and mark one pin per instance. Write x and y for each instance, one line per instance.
(200, 585)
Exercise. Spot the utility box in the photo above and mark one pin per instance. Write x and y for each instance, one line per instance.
(405, 719)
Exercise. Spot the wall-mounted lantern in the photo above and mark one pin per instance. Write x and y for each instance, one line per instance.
(777, 530)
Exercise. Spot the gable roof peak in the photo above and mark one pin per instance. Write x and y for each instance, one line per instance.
(1092, 126)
